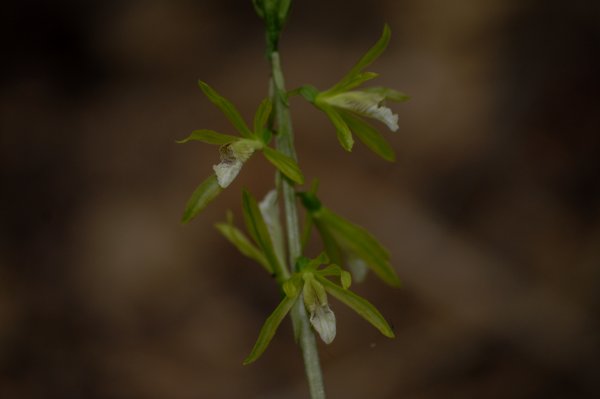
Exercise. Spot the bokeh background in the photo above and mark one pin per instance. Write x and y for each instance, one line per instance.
(490, 212)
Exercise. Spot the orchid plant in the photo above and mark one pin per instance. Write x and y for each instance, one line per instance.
(278, 244)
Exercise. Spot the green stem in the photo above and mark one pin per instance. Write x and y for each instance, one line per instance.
(285, 144)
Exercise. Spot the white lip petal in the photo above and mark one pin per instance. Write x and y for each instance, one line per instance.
(323, 321)
(226, 171)
(367, 104)
(385, 115)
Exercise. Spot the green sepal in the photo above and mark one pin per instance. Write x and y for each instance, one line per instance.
(306, 230)
(239, 240)
(209, 137)
(389, 94)
(344, 134)
(292, 286)
(262, 115)
(358, 241)
(269, 328)
(355, 81)
(306, 265)
(360, 305)
(365, 61)
(331, 246)
(369, 136)
(265, 136)
(227, 108)
(310, 201)
(207, 191)
(284, 164)
(257, 228)
(284, 11)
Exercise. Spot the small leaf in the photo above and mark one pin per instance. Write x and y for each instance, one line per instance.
(257, 228)
(284, 164)
(360, 305)
(262, 115)
(269, 328)
(209, 137)
(369, 136)
(205, 193)
(227, 108)
(365, 60)
(241, 242)
(343, 131)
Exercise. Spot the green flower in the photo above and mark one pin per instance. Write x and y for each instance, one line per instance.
(345, 105)
(311, 283)
(233, 156)
(235, 151)
(349, 244)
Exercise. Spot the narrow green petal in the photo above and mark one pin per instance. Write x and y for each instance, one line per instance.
(283, 12)
(227, 108)
(359, 242)
(306, 230)
(360, 305)
(262, 115)
(329, 243)
(355, 81)
(389, 94)
(209, 137)
(369, 136)
(284, 164)
(205, 193)
(343, 131)
(366, 59)
(269, 328)
(239, 240)
(257, 228)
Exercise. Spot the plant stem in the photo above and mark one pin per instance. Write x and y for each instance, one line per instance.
(285, 143)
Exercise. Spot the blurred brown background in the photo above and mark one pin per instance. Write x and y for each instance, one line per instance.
(491, 212)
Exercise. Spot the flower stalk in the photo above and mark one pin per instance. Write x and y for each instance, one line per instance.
(285, 144)
(306, 284)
